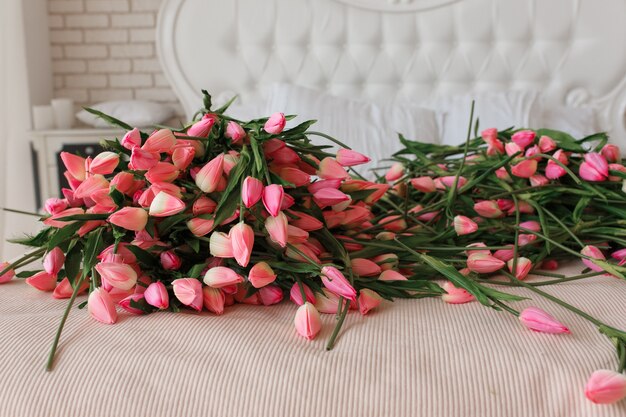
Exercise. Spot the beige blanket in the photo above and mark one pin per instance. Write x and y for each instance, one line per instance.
(410, 358)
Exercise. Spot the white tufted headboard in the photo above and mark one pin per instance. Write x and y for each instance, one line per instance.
(572, 50)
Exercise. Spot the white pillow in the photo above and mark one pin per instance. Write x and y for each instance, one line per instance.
(136, 113)
(493, 109)
(577, 121)
(366, 127)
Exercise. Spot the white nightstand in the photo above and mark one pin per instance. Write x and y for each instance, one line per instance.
(48, 144)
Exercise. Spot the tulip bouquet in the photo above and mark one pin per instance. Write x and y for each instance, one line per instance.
(217, 212)
(509, 204)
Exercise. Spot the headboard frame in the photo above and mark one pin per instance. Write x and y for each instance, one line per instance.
(571, 50)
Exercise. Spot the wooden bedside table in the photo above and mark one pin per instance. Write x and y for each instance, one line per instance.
(46, 146)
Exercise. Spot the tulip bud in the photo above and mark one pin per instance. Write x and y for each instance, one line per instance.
(273, 198)
(524, 169)
(242, 240)
(214, 300)
(142, 160)
(611, 153)
(329, 197)
(606, 387)
(275, 124)
(523, 138)
(546, 144)
(42, 281)
(235, 132)
(523, 267)
(391, 275)
(208, 178)
(220, 245)
(182, 157)
(130, 218)
(423, 184)
(55, 205)
(348, 158)
(53, 261)
(133, 298)
(202, 128)
(512, 148)
(364, 267)
(156, 295)
(455, 295)
(483, 263)
(8, 275)
(131, 139)
(165, 205)
(75, 165)
(261, 274)
(100, 306)
(117, 275)
(189, 292)
(307, 321)
(464, 225)
(595, 167)
(505, 254)
(91, 185)
(594, 253)
(334, 280)
(170, 261)
(270, 294)
(395, 172)
(251, 191)
(489, 209)
(368, 300)
(295, 294)
(489, 135)
(277, 228)
(221, 276)
(550, 265)
(331, 169)
(540, 321)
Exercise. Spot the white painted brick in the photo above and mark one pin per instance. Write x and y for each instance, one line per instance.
(87, 21)
(86, 51)
(58, 82)
(133, 20)
(146, 65)
(156, 94)
(65, 6)
(106, 66)
(55, 21)
(90, 81)
(107, 6)
(66, 36)
(142, 35)
(145, 5)
(130, 80)
(77, 94)
(132, 50)
(68, 66)
(56, 51)
(160, 80)
(106, 36)
(96, 96)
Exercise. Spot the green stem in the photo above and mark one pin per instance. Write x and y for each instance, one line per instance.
(342, 317)
(28, 213)
(34, 254)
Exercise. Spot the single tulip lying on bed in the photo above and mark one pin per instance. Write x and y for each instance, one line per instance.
(211, 214)
(510, 204)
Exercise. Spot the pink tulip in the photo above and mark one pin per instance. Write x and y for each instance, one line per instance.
(165, 205)
(170, 261)
(117, 275)
(319, 184)
(182, 157)
(538, 320)
(364, 267)
(489, 209)
(594, 253)
(495, 148)
(131, 139)
(91, 185)
(533, 225)
(162, 172)
(199, 226)
(464, 225)
(538, 180)
(203, 205)
(331, 169)
(142, 160)
(348, 158)
(595, 167)
(305, 221)
(455, 295)
(296, 235)
(503, 174)
(606, 387)
(130, 218)
(395, 172)
(261, 274)
(391, 275)
(208, 178)
(242, 240)
(101, 307)
(512, 148)
(251, 191)
(334, 280)
(532, 151)
(65, 290)
(483, 263)
(220, 245)
(523, 267)
(275, 124)
(489, 135)
(8, 275)
(550, 265)
(273, 198)
(74, 164)
(307, 321)
(202, 128)
(295, 294)
(294, 176)
(104, 163)
(328, 302)
(524, 169)
(329, 197)
(423, 184)
(235, 132)
(611, 153)
(368, 300)
(618, 168)
(162, 140)
(277, 228)
(523, 138)
(546, 144)
(554, 170)
(220, 276)
(270, 295)
(125, 303)
(53, 261)
(55, 205)
(213, 300)
(42, 281)
(189, 292)
(443, 183)
(156, 295)
(125, 183)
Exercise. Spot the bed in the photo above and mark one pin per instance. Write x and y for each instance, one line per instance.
(409, 358)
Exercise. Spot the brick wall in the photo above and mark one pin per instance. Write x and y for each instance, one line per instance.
(105, 50)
